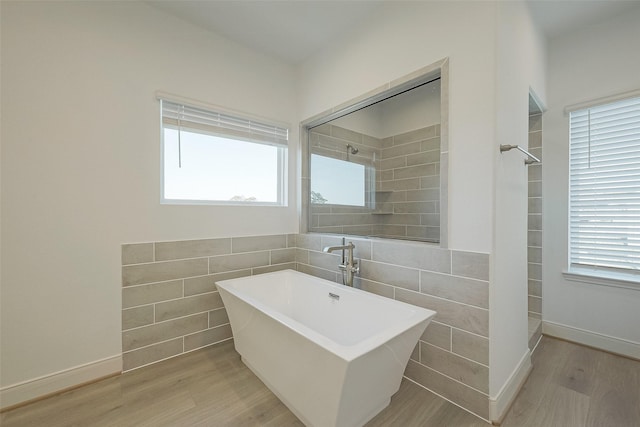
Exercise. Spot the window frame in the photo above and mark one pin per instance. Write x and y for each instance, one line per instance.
(282, 151)
(586, 273)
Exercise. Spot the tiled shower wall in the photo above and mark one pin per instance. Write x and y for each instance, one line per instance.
(406, 201)
(331, 141)
(534, 249)
(171, 305)
(408, 185)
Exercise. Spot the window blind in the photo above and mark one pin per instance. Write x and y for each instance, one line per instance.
(605, 186)
(222, 124)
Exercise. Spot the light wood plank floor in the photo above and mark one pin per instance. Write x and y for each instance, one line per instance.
(570, 385)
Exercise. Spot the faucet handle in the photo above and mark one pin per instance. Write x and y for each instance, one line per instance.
(355, 267)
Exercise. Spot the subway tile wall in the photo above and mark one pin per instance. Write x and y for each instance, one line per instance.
(408, 185)
(171, 305)
(534, 245)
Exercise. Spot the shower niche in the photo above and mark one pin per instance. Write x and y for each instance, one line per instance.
(374, 169)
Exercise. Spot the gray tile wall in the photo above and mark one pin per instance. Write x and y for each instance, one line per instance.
(331, 141)
(535, 219)
(170, 304)
(452, 356)
(408, 185)
(406, 203)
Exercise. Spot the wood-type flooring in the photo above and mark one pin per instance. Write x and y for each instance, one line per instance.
(569, 386)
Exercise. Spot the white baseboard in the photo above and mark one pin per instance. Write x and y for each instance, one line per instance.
(499, 405)
(26, 391)
(592, 339)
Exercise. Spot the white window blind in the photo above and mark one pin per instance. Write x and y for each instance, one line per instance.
(605, 187)
(213, 156)
(222, 124)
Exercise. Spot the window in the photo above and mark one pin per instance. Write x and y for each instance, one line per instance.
(604, 190)
(212, 157)
(337, 182)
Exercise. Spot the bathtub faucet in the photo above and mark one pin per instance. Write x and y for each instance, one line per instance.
(349, 265)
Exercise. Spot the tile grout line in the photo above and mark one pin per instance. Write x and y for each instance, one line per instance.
(453, 379)
(186, 316)
(444, 398)
(455, 353)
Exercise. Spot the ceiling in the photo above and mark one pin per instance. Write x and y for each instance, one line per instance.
(287, 29)
(294, 30)
(559, 17)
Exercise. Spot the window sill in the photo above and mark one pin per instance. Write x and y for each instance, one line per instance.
(221, 203)
(596, 277)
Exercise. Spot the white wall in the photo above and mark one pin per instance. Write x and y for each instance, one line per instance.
(80, 164)
(412, 110)
(598, 61)
(520, 66)
(415, 109)
(402, 37)
(367, 121)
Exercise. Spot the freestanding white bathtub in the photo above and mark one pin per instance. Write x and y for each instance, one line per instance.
(334, 355)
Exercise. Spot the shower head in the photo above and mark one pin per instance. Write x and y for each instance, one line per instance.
(353, 149)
